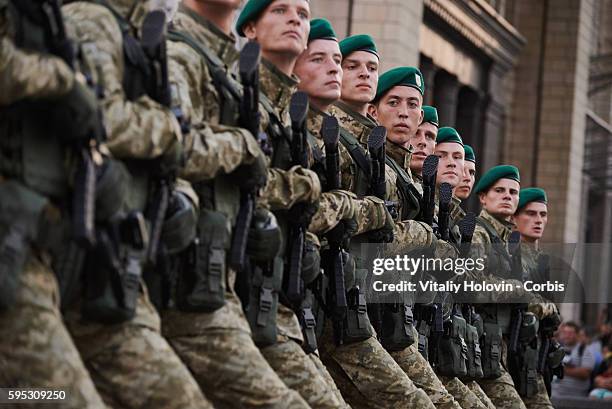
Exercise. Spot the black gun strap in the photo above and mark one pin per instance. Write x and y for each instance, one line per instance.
(357, 152)
(410, 196)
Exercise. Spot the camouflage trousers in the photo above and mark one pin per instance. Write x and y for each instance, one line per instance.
(35, 348)
(462, 394)
(501, 390)
(422, 374)
(477, 390)
(368, 376)
(232, 371)
(301, 373)
(132, 365)
(540, 400)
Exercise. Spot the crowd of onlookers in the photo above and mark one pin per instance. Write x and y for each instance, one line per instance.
(588, 361)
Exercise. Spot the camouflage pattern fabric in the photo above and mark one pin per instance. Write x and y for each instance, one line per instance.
(299, 372)
(35, 348)
(477, 390)
(462, 394)
(314, 357)
(540, 400)
(368, 376)
(501, 391)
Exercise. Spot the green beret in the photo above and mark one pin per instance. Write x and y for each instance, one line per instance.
(321, 29)
(359, 42)
(496, 173)
(531, 194)
(469, 153)
(448, 134)
(430, 114)
(251, 11)
(408, 76)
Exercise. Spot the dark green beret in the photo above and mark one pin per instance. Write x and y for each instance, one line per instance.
(448, 134)
(496, 173)
(359, 42)
(430, 114)
(252, 9)
(321, 29)
(531, 194)
(469, 153)
(408, 76)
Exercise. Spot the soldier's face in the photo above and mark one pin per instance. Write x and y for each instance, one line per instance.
(282, 28)
(501, 200)
(399, 110)
(360, 77)
(450, 165)
(320, 72)
(531, 221)
(423, 143)
(463, 190)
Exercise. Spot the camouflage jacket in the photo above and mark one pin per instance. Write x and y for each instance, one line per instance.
(25, 74)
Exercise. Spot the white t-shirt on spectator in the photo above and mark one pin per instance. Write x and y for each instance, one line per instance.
(570, 386)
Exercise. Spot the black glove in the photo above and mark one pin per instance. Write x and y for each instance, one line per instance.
(386, 233)
(342, 232)
(76, 116)
(311, 263)
(301, 213)
(265, 239)
(251, 176)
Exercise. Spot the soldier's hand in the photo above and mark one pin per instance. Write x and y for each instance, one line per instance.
(76, 115)
(264, 239)
(343, 231)
(251, 176)
(302, 213)
(385, 234)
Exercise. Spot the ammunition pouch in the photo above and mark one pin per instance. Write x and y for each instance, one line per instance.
(308, 322)
(179, 228)
(491, 346)
(555, 355)
(319, 289)
(112, 185)
(111, 286)
(357, 323)
(424, 331)
(474, 353)
(21, 211)
(263, 302)
(452, 349)
(201, 287)
(529, 328)
(311, 262)
(397, 332)
(525, 376)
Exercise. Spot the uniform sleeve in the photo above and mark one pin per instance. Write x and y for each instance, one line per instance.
(285, 188)
(334, 206)
(210, 149)
(410, 235)
(139, 129)
(31, 75)
(370, 214)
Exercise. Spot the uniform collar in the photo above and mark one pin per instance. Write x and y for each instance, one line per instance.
(400, 155)
(502, 227)
(276, 85)
(456, 212)
(205, 32)
(314, 121)
(358, 125)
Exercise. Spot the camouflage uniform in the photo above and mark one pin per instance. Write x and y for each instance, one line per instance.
(364, 371)
(217, 346)
(296, 368)
(131, 363)
(477, 390)
(501, 391)
(35, 347)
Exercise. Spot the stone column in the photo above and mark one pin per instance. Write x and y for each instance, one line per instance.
(446, 90)
(428, 69)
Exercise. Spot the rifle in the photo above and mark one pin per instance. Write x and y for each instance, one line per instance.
(376, 147)
(153, 42)
(446, 193)
(83, 196)
(430, 171)
(249, 118)
(466, 228)
(298, 110)
(330, 132)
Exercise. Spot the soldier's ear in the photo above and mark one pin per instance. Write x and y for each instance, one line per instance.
(373, 111)
(249, 31)
(481, 198)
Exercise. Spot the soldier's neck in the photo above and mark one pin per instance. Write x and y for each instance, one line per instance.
(282, 61)
(531, 241)
(220, 15)
(358, 107)
(321, 105)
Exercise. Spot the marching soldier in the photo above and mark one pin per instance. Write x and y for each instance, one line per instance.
(364, 371)
(213, 337)
(35, 348)
(531, 218)
(131, 363)
(282, 29)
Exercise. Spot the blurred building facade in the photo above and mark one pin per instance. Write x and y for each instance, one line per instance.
(526, 82)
